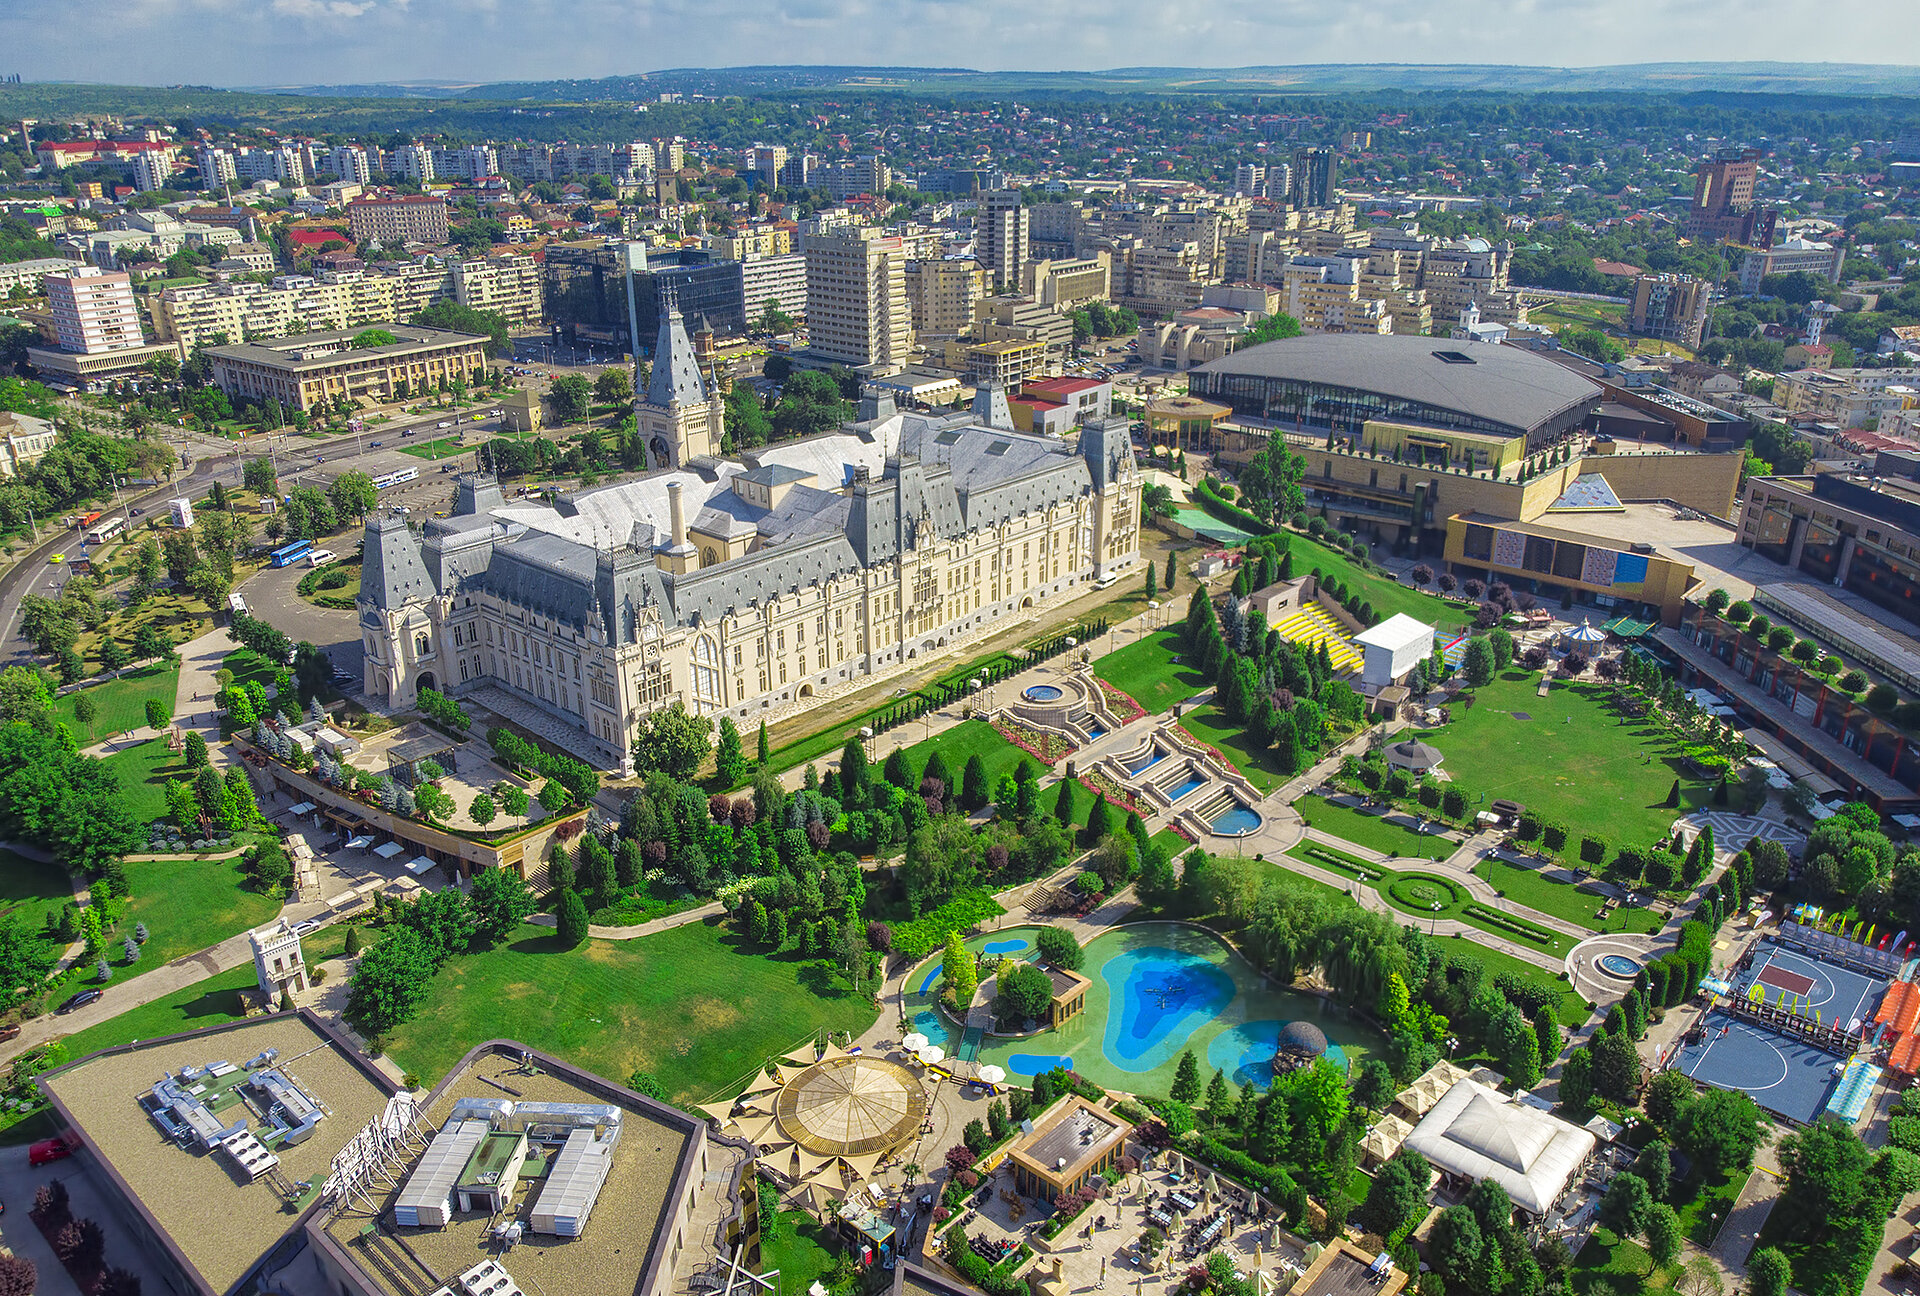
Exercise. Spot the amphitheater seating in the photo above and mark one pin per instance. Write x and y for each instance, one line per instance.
(1311, 625)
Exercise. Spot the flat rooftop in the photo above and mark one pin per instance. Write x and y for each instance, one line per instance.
(612, 1253)
(219, 1226)
(1340, 1271)
(1078, 1132)
(304, 351)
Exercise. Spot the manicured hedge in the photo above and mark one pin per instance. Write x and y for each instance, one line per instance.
(923, 935)
(1232, 514)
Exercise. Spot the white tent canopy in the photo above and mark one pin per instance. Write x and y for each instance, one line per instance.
(1474, 1133)
(389, 850)
(360, 842)
(305, 807)
(419, 864)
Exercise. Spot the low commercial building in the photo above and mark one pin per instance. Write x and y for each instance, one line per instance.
(1056, 405)
(307, 370)
(272, 1156)
(24, 439)
(1473, 1133)
(1816, 258)
(1185, 422)
(1071, 1142)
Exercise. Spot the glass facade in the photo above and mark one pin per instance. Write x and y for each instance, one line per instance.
(586, 289)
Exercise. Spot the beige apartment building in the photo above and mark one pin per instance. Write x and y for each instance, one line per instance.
(310, 369)
(943, 295)
(93, 310)
(198, 313)
(1063, 285)
(756, 241)
(857, 310)
(409, 218)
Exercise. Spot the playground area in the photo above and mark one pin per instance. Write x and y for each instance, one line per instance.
(1158, 989)
(1785, 1032)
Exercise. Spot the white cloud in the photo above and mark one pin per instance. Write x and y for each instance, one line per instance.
(312, 9)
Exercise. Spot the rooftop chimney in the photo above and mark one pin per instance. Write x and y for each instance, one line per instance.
(679, 515)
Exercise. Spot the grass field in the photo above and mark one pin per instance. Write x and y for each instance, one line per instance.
(440, 448)
(30, 889)
(187, 905)
(800, 1247)
(1370, 830)
(1147, 672)
(1573, 761)
(1575, 904)
(144, 771)
(1210, 725)
(685, 1004)
(1620, 1264)
(120, 704)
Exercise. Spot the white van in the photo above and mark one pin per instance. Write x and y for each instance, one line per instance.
(320, 557)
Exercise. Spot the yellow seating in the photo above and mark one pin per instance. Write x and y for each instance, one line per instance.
(1311, 625)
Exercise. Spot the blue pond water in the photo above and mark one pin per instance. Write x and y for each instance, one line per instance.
(933, 1026)
(1246, 1052)
(1095, 731)
(1033, 1064)
(933, 974)
(1160, 996)
(1041, 693)
(1194, 781)
(1012, 945)
(1240, 819)
(1147, 762)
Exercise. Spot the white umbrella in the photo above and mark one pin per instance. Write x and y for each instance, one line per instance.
(914, 1042)
(930, 1054)
(992, 1074)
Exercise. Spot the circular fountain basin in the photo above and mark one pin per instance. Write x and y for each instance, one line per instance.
(1618, 965)
(1042, 693)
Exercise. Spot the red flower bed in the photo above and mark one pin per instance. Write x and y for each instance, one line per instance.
(1045, 748)
(1120, 704)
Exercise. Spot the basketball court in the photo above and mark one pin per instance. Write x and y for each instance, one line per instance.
(1788, 1076)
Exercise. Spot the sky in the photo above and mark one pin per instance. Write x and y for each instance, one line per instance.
(333, 42)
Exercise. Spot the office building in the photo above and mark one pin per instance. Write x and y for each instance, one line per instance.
(851, 177)
(1671, 306)
(397, 1194)
(746, 588)
(409, 218)
(857, 310)
(1000, 237)
(1314, 175)
(1816, 258)
(586, 291)
(93, 310)
(309, 369)
(1063, 284)
(1724, 208)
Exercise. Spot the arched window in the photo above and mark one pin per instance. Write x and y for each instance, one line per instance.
(708, 557)
(422, 645)
(706, 675)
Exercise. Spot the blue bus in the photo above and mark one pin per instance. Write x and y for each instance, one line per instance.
(290, 554)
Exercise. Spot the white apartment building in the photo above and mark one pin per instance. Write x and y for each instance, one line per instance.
(30, 274)
(281, 165)
(93, 310)
(411, 162)
(1000, 237)
(857, 312)
(152, 169)
(352, 164)
(780, 279)
(218, 166)
(508, 285)
(471, 163)
(943, 295)
(1848, 398)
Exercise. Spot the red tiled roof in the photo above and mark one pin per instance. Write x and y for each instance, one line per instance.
(1059, 387)
(317, 238)
(1037, 402)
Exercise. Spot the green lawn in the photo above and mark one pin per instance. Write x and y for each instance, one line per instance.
(800, 1247)
(31, 890)
(1210, 725)
(120, 704)
(188, 905)
(684, 1004)
(1387, 595)
(1611, 1263)
(1147, 672)
(436, 449)
(1574, 903)
(1574, 761)
(144, 771)
(249, 667)
(1371, 830)
(1706, 1204)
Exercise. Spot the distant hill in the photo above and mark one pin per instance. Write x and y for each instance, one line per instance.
(1655, 78)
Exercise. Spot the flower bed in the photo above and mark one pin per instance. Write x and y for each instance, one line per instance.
(1102, 784)
(1425, 892)
(1339, 861)
(1047, 748)
(1120, 703)
(1509, 923)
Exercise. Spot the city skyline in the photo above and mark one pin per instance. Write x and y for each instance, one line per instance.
(287, 42)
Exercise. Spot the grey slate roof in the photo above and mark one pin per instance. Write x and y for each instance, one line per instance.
(1503, 384)
(676, 376)
(393, 569)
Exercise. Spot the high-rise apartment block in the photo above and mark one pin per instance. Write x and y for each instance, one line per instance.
(217, 167)
(1314, 172)
(1671, 306)
(411, 162)
(766, 161)
(1250, 179)
(410, 218)
(857, 312)
(93, 310)
(152, 170)
(1000, 237)
(851, 177)
(779, 281)
(352, 164)
(942, 295)
(1723, 201)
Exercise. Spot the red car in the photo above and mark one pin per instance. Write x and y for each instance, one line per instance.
(49, 1150)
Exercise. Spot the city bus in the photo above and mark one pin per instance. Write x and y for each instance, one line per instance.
(287, 555)
(395, 477)
(101, 532)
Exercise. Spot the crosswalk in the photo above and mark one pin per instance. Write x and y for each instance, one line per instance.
(1311, 625)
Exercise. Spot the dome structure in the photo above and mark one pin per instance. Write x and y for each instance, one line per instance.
(1300, 1043)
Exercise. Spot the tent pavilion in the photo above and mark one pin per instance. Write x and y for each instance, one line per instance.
(1474, 1133)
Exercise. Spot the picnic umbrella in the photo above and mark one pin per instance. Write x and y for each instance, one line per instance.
(930, 1054)
(914, 1042)
(992, 1074)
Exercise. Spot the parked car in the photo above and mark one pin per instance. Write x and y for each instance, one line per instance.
(80, 1000)
(306, 928)
(47, 1151)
